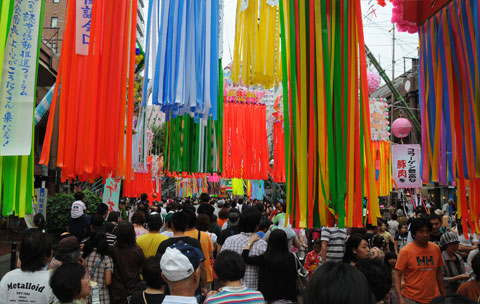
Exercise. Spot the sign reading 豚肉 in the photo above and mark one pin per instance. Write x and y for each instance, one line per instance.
(17, 90)
(406, 166)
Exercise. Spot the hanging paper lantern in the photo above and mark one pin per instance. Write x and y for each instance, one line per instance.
(401, 127)
(373, 81)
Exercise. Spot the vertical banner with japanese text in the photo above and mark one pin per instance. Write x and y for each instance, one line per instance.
(82, 25)
(17, 90)
(406, 165)
(111, 193)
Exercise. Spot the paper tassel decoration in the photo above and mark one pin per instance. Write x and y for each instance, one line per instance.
(143, 183)
(186, 61)
(278, 144)
(95, 108)
(245, 146)
(373, 81)
(327, 117)
(256, 189)
(193, 147)
(256, 57)
(183, 53)
(19, 50)
(449, 103)
(382, 157)
(379, 122)
(194, 186)
(237, 187)
(398, 18)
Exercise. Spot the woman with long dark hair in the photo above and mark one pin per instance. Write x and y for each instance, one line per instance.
(277, 268)
(128, 260)
(356, 248)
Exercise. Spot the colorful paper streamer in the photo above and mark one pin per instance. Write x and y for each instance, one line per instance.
(245, 145)
(327, 117)
(16, 172)
(95, 109)
(256, 57)
(450, 103)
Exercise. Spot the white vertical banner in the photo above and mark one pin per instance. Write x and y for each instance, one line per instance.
(83, 23)
(406, 166)
(41, 206)
(17, 90)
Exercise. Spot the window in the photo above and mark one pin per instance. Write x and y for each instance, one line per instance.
(56, 1)
(54, 22)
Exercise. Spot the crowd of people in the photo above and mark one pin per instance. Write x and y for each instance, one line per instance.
(240, 251)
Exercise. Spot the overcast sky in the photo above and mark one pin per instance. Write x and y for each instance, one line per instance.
(378, 36)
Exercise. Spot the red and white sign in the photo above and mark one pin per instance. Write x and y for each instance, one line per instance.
(406, 166)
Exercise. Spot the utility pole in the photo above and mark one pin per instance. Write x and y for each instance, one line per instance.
(393, 53)
(392, 88)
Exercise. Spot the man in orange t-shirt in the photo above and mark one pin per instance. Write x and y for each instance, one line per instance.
(205, 241)
(420, 264)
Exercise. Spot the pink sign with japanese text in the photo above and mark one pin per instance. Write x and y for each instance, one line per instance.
(406, 166)
(83, 24)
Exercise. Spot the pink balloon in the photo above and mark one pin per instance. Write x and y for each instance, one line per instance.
(401, 127)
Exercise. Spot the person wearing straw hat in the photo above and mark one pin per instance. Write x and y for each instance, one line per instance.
(453, 268)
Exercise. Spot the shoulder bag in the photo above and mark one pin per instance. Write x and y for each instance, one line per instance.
(302, 276)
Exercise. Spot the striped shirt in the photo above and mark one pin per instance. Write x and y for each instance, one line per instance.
(336, 242)
(236, 295)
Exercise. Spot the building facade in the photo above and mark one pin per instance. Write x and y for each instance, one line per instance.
(54, 24)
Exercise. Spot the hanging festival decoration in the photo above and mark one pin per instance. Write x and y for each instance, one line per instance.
(382, 158)
(449, 103)
(194, 186)
(327, 117)
(187, 60)
(95, 108)
(143, 182)
(278, 174)
(398, 18)
(256, 189)
(20, 35)
(401, 127)
(245, 145)
(237, 187)
(256, 57)
(379, 123)
(182, 54)
(373, 81)
(193, 147)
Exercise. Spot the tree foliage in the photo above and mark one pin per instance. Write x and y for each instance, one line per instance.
(58, 210)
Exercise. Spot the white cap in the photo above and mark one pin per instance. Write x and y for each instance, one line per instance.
(175, 265)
